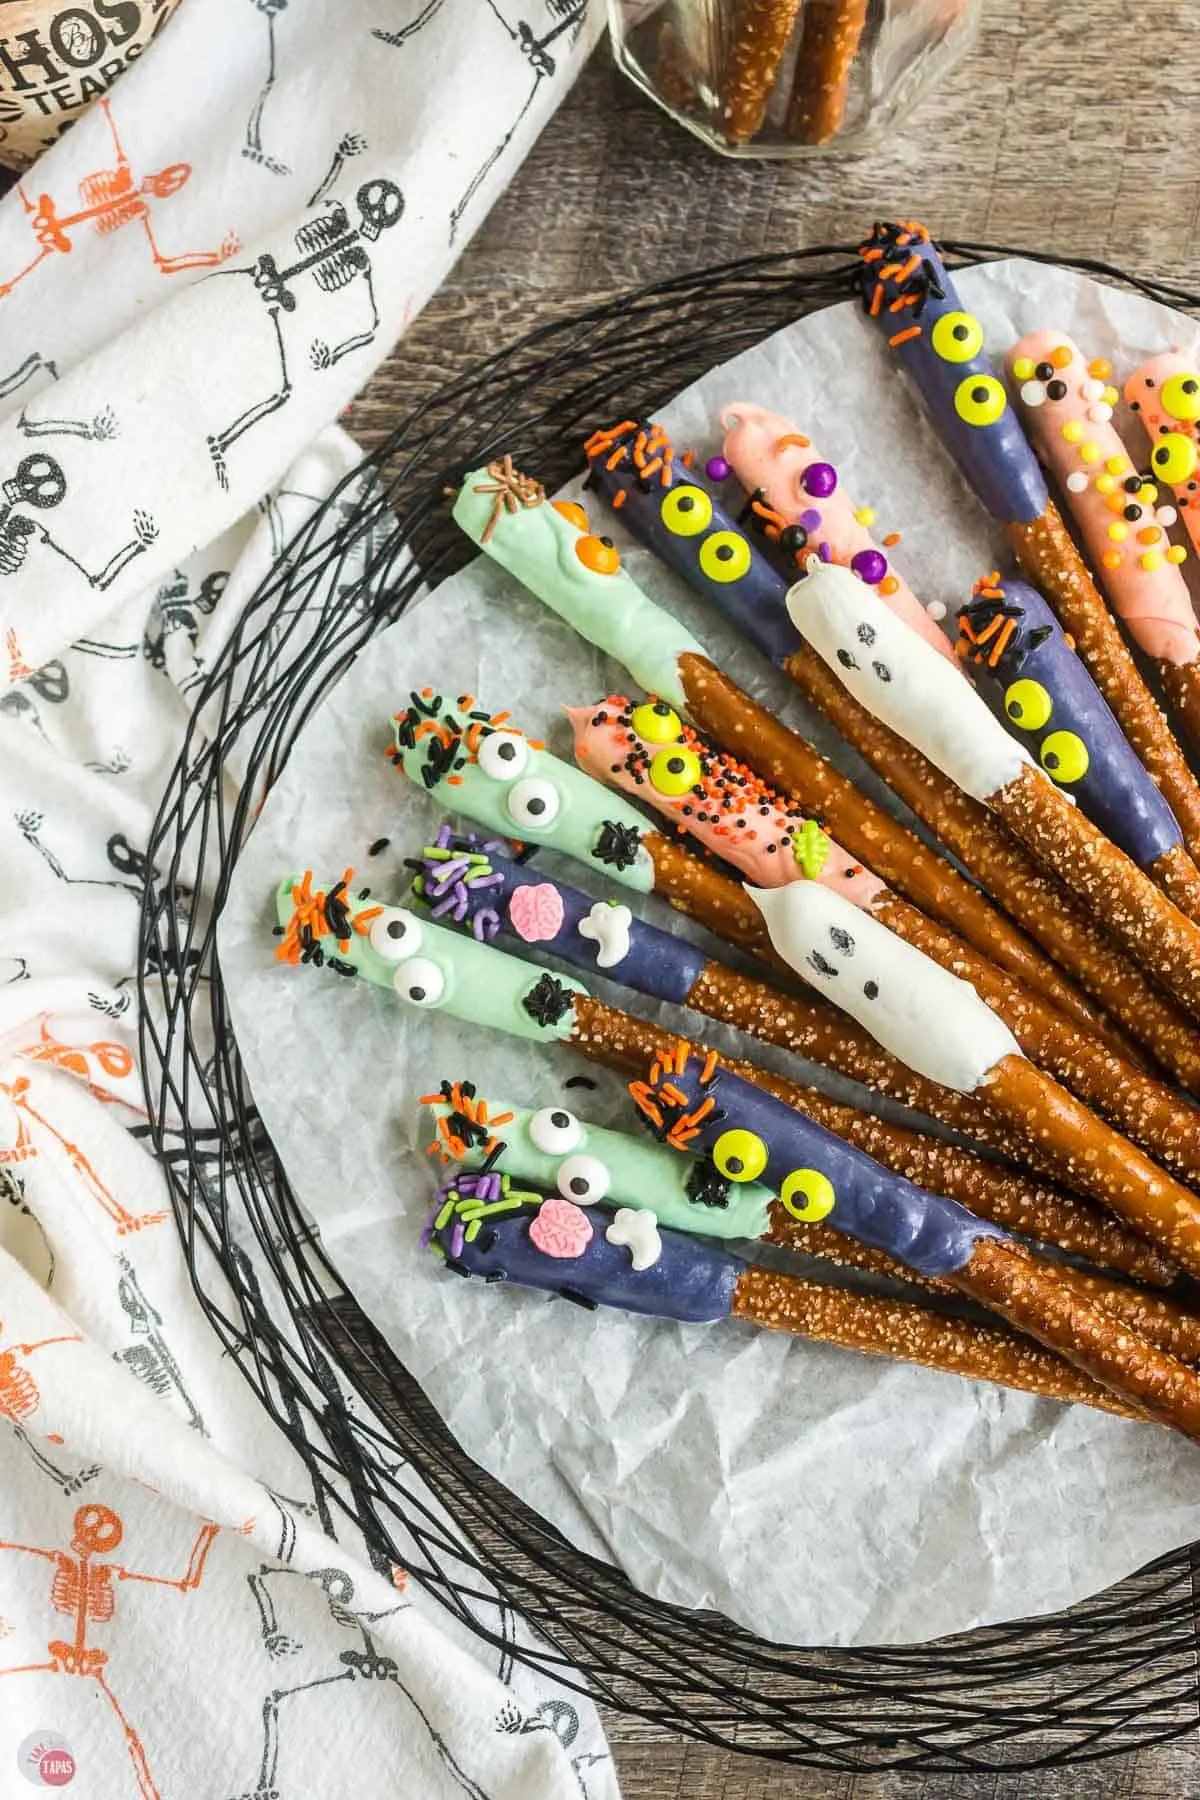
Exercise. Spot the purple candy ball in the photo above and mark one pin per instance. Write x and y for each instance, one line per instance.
(819, 480)
(717, 469)
(871, 565)
(810, 518)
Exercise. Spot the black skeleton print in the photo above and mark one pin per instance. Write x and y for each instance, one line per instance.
(332, 251)
(148, 1357)
(37, 485)
(176, 608)
(395, 38)
(351, 143)
(252, 149)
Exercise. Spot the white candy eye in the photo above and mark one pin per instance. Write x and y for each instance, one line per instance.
(420, 982)
(395, 935)
(583, 1179)
(503, 755)
(533, 803)
(555, 1131)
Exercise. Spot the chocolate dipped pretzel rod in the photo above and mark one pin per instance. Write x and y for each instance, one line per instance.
(911, 297)
(492, 1227)
(821, 85)
(705, 1110)
(1103, 774)
(824, 1176)
(904, 683)
(554, 1148)
(800, 501)
(578, 575)
(429, 967)
(649, 753)
(1067, 409)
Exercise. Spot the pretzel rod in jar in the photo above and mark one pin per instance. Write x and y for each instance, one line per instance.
(1004, 632)
(910, 295)
(757, 35)
(728, 810)
(429, 966)
(820, 87)
(507, 1233)
(821, 1175)
(578, 575)
(904, 683)
(702, 1109)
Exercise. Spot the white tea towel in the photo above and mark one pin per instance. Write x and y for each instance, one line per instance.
(193, 283)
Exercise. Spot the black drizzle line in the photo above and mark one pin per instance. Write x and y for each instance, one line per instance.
(706, 1185)
(548, 1000)
(618, 845)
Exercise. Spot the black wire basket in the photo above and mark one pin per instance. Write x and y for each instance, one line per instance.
(1110, 1675)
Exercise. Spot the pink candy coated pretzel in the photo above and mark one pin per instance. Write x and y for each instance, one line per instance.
(1165, 394)
(774, 459)
(1066, 405)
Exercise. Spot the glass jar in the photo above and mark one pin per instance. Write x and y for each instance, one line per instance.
(788, 77)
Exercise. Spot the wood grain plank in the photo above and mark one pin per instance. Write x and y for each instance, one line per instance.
(1068, 128)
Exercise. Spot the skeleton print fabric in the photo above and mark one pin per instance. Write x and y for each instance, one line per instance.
(193, 283)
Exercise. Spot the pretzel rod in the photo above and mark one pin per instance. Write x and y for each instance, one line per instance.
(1164, 394)
(939, 1026)
(1035, 683)
(995, 858)
(906, 685)
(828, 45)
(729, 810)
(1007, 1196)
(488, 1226)
(635, 470)
(450, 753)
(911, 297)
(1008, 639)
(758, 33)
(710, 1112)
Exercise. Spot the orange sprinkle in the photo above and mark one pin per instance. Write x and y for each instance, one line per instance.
(902, 337)
(794, 437)
(876, 301)
(893, 537)
(710, 1063)
(619, 498)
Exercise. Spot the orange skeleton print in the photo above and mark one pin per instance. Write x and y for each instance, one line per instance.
(82, 1590)
(25, 1150)
(109, 200)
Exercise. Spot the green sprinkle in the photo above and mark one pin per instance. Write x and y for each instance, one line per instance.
(446, 1214)
(436, 855)
(473, 1230)
(435, 1249)
(810, 847)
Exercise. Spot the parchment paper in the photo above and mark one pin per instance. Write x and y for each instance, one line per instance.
(814, 1495)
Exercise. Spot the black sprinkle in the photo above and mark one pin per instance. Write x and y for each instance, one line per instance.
(580, 1081)
(578, 1299)
(379, 845)
(706, 1185)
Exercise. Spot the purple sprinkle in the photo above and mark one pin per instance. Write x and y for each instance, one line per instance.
(819, 480)
(485, 878)
(442, 841)
(870, 565)
(486, 924)
(717, 469)
(810, 519)
(457, 1238)
(824, 552)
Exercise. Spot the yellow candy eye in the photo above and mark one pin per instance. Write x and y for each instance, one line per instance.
(1174, 458)
(656, 723)
(1028, 705)
(1065, 756)
(980, 400)
(725, 556)
(808, 1195)
(675, 772)
(740, 1155)
(687, 510)
(957, 337)
(1181, 398)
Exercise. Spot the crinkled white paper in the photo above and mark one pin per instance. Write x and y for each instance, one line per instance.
(813, 1495)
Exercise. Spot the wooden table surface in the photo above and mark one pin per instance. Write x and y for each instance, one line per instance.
(1071, 127)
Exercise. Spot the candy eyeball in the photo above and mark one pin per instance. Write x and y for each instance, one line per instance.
(740, 1155)
(599, 554)
(395, 935)
(583, 1179)
(555, 1131)
(420, 982)
(980, 400)
(1181, 398)
(687, 510)
(573, 513)
(1174, 458)
(957, 337)
(533, 803)
(1028, 704)
(656, 723)
(725, 556)
(675, 772)
(503, 755)
(1065, 757)
(808, 1195)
